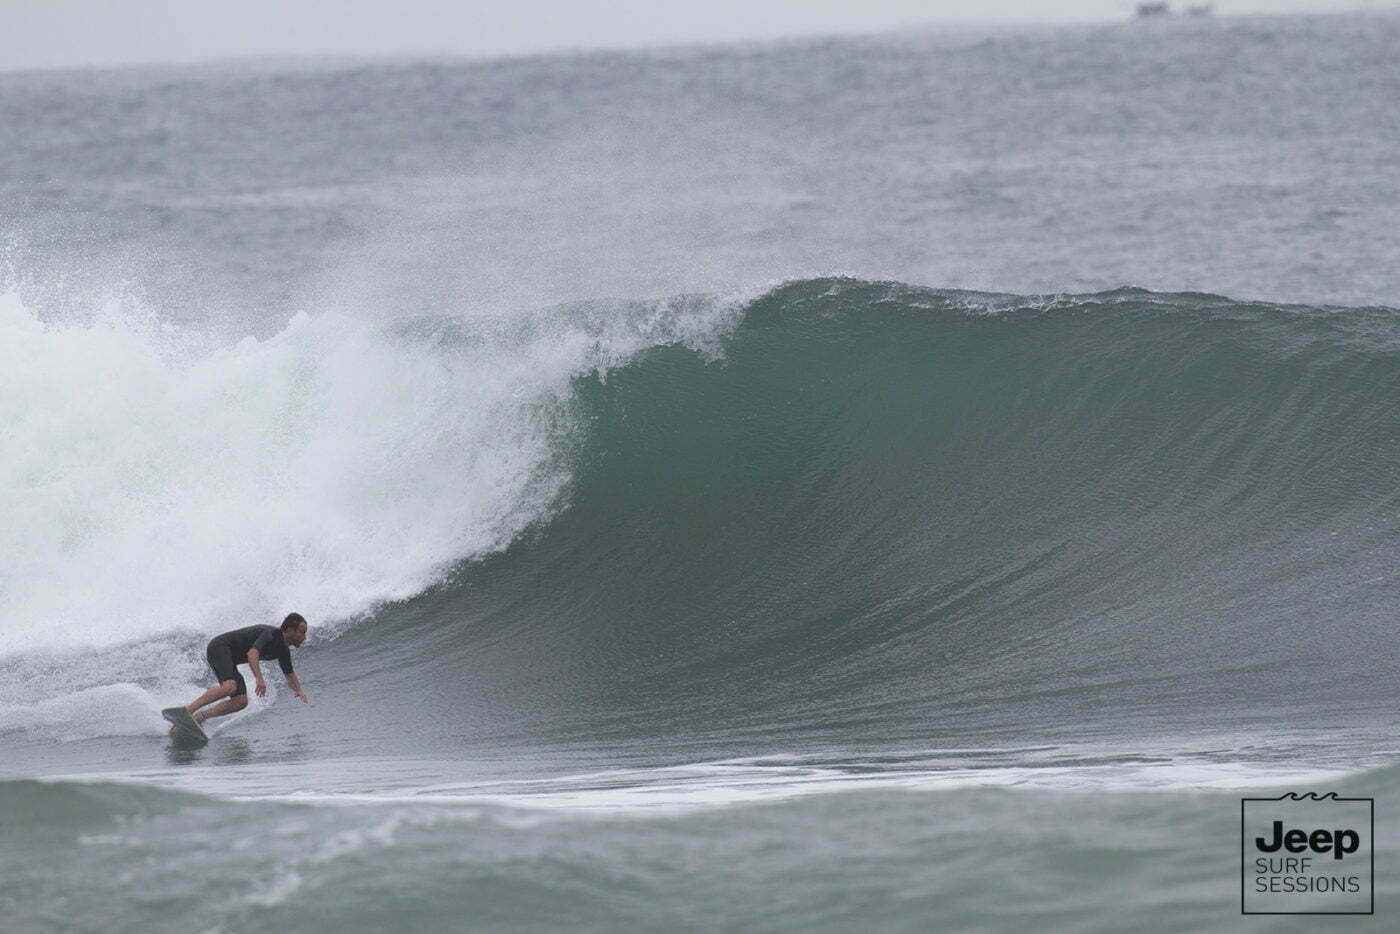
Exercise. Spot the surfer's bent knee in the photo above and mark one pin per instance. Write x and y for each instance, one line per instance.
(230, 685)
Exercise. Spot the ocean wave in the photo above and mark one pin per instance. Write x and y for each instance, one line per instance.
(840, 506)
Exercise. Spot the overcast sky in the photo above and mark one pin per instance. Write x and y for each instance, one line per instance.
(42, 33)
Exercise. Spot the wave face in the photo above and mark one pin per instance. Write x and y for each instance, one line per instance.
(845, 509)
(887, 510)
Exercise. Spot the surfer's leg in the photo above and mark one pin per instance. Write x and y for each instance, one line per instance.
(216, 693)
(232, 705)
(212, 695)
(231, 682)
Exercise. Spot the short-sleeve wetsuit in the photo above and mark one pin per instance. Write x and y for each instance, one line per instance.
(228, 650)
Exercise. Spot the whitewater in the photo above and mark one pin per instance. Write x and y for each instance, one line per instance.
(901, 482)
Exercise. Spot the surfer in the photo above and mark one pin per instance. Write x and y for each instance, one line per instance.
(252, 644)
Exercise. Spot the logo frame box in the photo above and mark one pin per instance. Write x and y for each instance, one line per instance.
(1295, 849)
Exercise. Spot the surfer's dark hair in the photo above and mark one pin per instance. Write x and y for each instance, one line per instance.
(292, 621)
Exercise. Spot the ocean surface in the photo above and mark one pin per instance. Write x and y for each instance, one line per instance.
(908, 482)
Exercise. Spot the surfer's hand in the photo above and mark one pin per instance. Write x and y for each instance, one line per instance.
(261, 689)
(303, 698)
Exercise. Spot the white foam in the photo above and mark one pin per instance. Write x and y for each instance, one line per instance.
(149, 489)
(283, 886)
(707, 785)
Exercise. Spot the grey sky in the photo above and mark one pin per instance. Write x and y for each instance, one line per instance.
(42, 33)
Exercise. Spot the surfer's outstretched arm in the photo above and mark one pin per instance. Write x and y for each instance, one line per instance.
(295, 682)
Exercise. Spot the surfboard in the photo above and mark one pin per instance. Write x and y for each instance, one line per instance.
(187, 732)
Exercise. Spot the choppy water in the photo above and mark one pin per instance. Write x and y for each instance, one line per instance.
(809, 486)
(967, 859)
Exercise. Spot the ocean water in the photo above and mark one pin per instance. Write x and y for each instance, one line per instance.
(908, 482)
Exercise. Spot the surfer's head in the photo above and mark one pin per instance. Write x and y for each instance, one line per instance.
(294, 629)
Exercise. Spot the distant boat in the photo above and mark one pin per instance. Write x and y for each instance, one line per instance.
(1204, 9)
(1149, 10)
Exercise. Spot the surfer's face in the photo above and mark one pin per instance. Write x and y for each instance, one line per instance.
(296, 636)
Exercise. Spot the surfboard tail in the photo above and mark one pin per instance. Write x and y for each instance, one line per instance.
(186, 729)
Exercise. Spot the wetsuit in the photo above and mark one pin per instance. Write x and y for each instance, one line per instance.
(227, 651)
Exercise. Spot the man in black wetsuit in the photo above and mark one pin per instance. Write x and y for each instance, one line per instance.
(252, 645)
